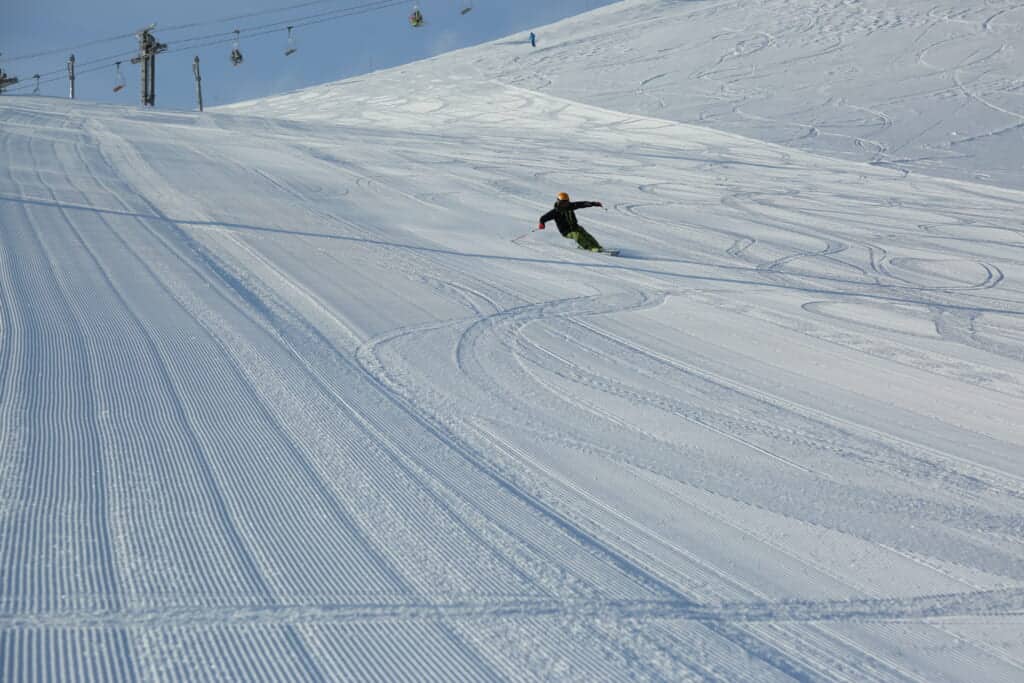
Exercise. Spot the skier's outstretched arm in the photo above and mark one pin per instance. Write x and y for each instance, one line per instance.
(549, 216)
(584, 205)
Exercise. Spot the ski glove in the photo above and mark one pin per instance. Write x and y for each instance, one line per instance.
(540, 226)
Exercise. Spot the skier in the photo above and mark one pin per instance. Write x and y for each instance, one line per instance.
(533, 39)
(564, 216)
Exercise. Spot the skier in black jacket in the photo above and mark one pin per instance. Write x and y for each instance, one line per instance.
(564, 216)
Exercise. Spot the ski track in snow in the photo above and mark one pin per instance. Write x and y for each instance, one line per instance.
(289, 392)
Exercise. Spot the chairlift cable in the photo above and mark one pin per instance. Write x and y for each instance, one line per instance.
(222, 37)
(247, 15)
(70, 48)
(88, 62)
(215, 39)
(57, 79)
(266, 29)
(180, 27)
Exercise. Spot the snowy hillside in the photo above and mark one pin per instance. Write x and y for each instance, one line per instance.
(294, 391)
(923, 85)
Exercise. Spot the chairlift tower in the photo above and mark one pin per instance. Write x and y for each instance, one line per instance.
(199, 82)
(149, 48)
(5, 80)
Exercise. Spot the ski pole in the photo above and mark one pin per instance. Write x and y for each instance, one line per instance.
(525, 234)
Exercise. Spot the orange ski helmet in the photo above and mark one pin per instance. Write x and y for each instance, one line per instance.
(563, 196)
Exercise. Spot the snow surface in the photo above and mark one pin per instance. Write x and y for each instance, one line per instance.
(290, 391)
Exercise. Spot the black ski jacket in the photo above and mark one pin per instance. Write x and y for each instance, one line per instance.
(564, 215)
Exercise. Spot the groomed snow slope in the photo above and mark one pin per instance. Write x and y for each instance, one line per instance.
(298, 396)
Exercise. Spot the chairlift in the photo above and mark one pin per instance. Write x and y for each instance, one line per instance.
(467, 7)
(236, 52)
(416, 18)
(35, 90)
(118, 77)
(290, 49)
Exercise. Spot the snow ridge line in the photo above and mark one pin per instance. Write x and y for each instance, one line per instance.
(1000, 602)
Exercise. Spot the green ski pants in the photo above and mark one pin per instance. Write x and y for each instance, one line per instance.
(584, 239)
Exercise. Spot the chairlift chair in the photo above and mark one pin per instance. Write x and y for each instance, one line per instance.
(416, 18)
(290, 48)
(236, 52)
(118, 77)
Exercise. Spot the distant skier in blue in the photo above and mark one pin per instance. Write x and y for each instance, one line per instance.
(533, 39)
